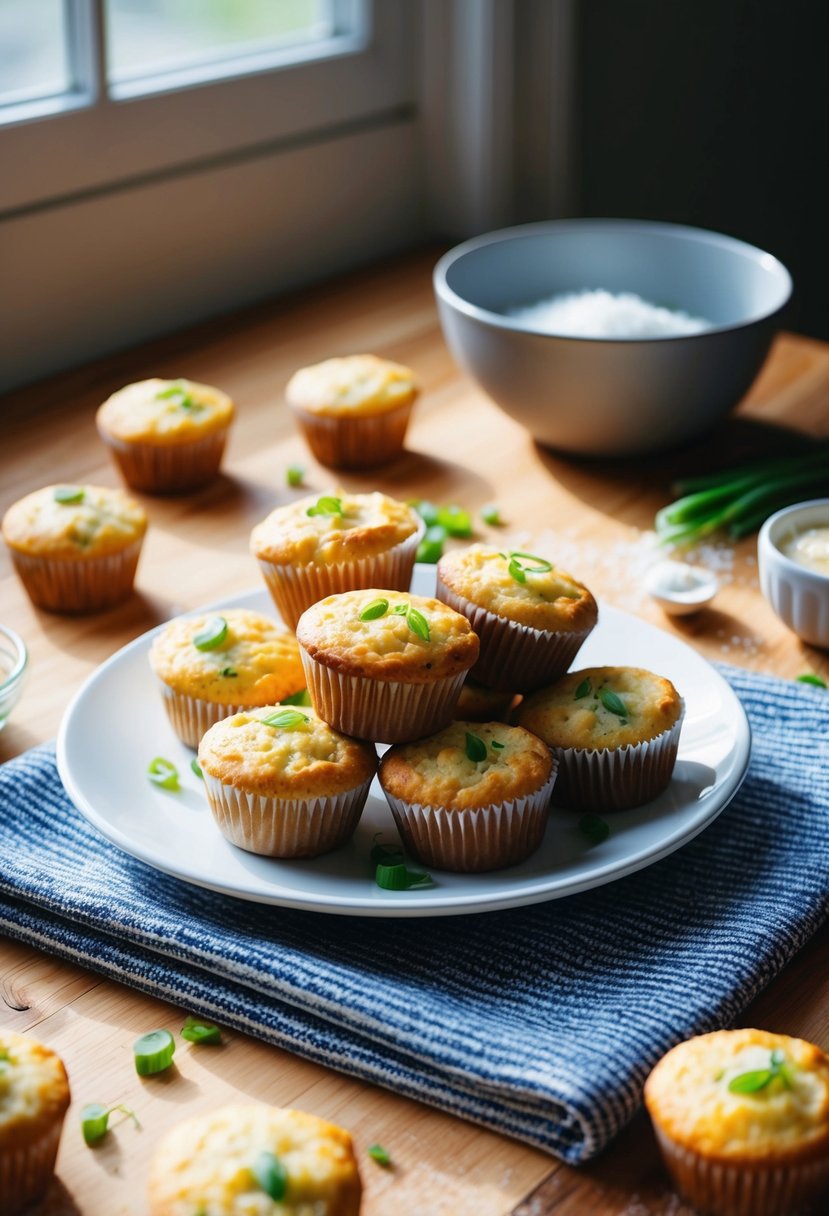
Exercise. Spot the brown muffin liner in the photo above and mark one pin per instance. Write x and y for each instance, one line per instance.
(613, 779)
(295, 588)
(355, 441)
(744, 1188)
(65, 584)
(383, 711)
(285, 827)
(514, 657)
(190, 717)
(26, 1173)
(169, 468)
(472, 841)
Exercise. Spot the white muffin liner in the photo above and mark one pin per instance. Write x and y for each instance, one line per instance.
(383, 711)
(355, 441)
(743, 1188)
(26, 1173)
(613, 779)
(295, 588)
(514, 657)
(285, 827)
(171, 468)
(190, 717)
(474, 840)
(83, 584)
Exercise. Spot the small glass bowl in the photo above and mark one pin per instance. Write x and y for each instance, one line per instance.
(13, 661)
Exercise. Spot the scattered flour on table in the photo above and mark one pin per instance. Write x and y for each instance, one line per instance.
(605, 314)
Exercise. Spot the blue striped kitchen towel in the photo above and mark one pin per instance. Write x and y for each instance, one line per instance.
(540, 1022)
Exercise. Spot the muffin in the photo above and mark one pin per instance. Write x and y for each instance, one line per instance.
(742, 1119)
(615, 732)
(34, 1096)
(353, 411)
(251, 1159)
(531, 617)
(473, 797)
(75, 548)
(319, 546)
(166, 436)
(282, 783)
(385, 666)
(213, 665)
(479, 704)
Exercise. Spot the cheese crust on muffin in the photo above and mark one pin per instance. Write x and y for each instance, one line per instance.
(34, 1096)
(165, 412)
(333, 529)
(79, 523)
(353, 385)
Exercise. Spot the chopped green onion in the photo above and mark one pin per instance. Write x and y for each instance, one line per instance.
(427, 511)
(326, 505)
(303, 697)
(229, 672)
(400, 609)
(417, 623)
(379, 1154)
(491, 514)
(375, 609)
(396, 877)
(196, 767)
(613, 703)
(755, 1080)
(582, 690)
(475, 748)
(518, 568)
(294, 475)
(95, 1120)
(213, 634)
(174, 389)
(497, 746)
(430, 549)
(177, 390)
(594, 827)
(810, 678)
(288, 719)
(163, 773)
(69, 495)
(153, 1052)
(385, 854)
(197, 1031)
(271, 1175)
(455, 520)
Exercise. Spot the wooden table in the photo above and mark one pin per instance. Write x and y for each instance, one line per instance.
(461, 448)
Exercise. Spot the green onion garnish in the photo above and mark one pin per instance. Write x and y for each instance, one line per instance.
(95, 1120)
(230, 672)
(197, 1031)
(417, 623)
(271, 1175)
(810, 678)
(213, 634)
(430, 549)
(612, 703)
(496, 746)
(427, 511)
(69, 494)
(180, 394)
(287, 719)
(153, 1052)
(385, 854)
(326, 505)
(752, 1082)
(519, 567)
(491, 514)
(594, 827)
(582, 690)
(303, 697)
(196, 767)
(455, 520)
(475, 748)
(163, 773)
(379, 1154)
(375, 609)
(294, 475)
(396, 877)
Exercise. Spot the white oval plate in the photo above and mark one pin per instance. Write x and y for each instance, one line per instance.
(117, 723)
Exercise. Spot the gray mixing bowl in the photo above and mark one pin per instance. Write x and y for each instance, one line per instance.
(611, 396)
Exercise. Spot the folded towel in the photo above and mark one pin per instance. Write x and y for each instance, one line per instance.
(539, 1022)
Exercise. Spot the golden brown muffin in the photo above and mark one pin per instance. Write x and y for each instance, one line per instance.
(383, 665)
(531, 617)
(614, 730)
(255, 1160)
(353, 411)
(214, 664)
(75, 548)
(166, 436)
(742, 1118)
(472, 797)
(34, 1096)
(282, 783)
(320, 546)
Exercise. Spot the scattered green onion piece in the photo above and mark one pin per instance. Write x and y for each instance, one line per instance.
(230, 672)
(613, 703)
(475, 748)
(430, 549)
(288, 719)
(375, 609)
(197, 1031)
(213, 634)
(153, 1052)
(809, 678)
(271, 1175)
(384, 854)
(95, 1120)
(294, 475)
(455, 520)
(176, 389)
(396, 877)
(594, 827)
(496, 746)
(303, 697)
(196, 767)
(400, 609)
(582, 690)
(326, 505)
(755, 1080)
(69, 494)
(427, 511)
(163, 773)
(540, 564)
(491, 514)
(417, 623)
(379, 1154)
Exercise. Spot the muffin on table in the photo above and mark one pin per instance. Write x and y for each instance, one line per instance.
(75, 547)
(353, 411)
(166, 436)
(742, 1120)
(211, 665)
(248, 1158)
(319, 546)
(383, 665)
(532, 618)
(472, 797)
(280, 782)
(34, 1096)
(614, 730)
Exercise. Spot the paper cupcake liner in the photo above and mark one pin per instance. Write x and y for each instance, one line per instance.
(168, 468)
(190, 717)
(295, 588)
(355, 442)
(514, 657)
(746, 1188)
(613, 779)
(26, 1173)
(285, 827)
(383, 711)
(472, 841)
(89, 584)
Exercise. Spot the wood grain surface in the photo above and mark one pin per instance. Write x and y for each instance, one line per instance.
(462, 449)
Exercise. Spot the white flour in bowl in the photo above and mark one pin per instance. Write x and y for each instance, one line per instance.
(605, 314)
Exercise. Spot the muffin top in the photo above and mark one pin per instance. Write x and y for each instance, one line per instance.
(333, 529)
(743, 1094)
(354, 385)
(74, 522)
(215, 1163)
(284, 751)
(467, 765)
(165, 412)
(602, 707)
(34, 1091)
(236, 657)
(519, 586)
(388, 635)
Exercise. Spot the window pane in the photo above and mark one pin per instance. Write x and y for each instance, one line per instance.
(146, 37)
(33, 59)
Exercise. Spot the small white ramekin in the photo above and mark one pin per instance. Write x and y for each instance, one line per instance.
(800, 597)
